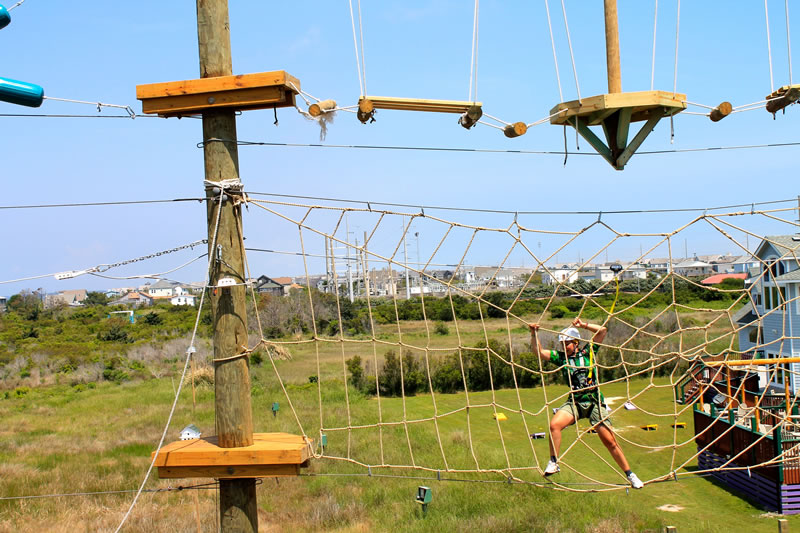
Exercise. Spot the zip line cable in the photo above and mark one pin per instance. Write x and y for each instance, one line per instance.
(203, 486)
(412, 206)
(506, 212)
(491, 150)
(95, 204)
(41, 115)
(16, 5)
(99, 105)
(105, 267)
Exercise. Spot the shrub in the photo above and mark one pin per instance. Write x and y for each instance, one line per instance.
(152, 319)
(116, 375)
(115, 334)
(356, 372)
(558, 311)
(441, 328)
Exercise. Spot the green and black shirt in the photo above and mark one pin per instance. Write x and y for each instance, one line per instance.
(580, 373)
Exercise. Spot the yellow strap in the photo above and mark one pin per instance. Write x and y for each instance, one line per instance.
(591, 347)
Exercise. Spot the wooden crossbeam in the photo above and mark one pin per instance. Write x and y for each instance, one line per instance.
(262, 90)
(416, 104)
(637, 141)
(579, 124)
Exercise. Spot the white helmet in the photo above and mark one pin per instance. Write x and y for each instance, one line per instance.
(569, 334)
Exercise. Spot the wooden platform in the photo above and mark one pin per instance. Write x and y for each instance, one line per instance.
(241, 92)
(642, 105)
(785, 96)
(270, 455)
(615, 112)
(416, 104)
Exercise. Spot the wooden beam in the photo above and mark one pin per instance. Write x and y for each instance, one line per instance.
(319, 108)
(515, 130)
(599, 117)
(592, 139)
(238, 508)
(228, 472)
(623, 126)
(721, 111)
(416, 104)
(612, 46)
(635, 143)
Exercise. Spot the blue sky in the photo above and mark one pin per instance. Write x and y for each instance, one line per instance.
(100, 51)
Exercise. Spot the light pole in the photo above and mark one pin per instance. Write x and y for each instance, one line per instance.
(405, 259)
(419, 262)
(349, 270)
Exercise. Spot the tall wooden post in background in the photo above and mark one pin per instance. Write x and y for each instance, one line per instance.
(234, 417)
(612, 46)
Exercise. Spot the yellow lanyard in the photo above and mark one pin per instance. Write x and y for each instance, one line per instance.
(591, 344)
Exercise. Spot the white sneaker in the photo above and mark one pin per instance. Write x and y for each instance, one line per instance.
(635, 482)
(552, 468)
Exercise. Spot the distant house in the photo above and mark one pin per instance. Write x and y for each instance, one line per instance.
(162, 289)
(73, 298)
(693, 267)
(771, 321)
(134, 298)
(183, 299)
(560, 274)
(195, 287)
(743, 263)
(3, 303)
(276, 286)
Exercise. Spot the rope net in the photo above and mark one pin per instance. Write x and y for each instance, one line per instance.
(421, 363)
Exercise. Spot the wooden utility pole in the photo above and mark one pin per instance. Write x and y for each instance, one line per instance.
(612, 47)
(234, 418)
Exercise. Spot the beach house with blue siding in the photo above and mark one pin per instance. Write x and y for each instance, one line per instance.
(770, 323)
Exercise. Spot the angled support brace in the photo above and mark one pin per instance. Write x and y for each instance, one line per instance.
(636, 142)
(580, 124)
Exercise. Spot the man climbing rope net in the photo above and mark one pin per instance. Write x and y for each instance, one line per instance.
(585, 399)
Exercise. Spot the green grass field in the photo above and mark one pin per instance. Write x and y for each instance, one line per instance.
(57, 440)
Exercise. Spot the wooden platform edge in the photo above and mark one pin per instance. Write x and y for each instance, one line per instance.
(231, 471)
(240, 92)
(218, 83)
(600, 106)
